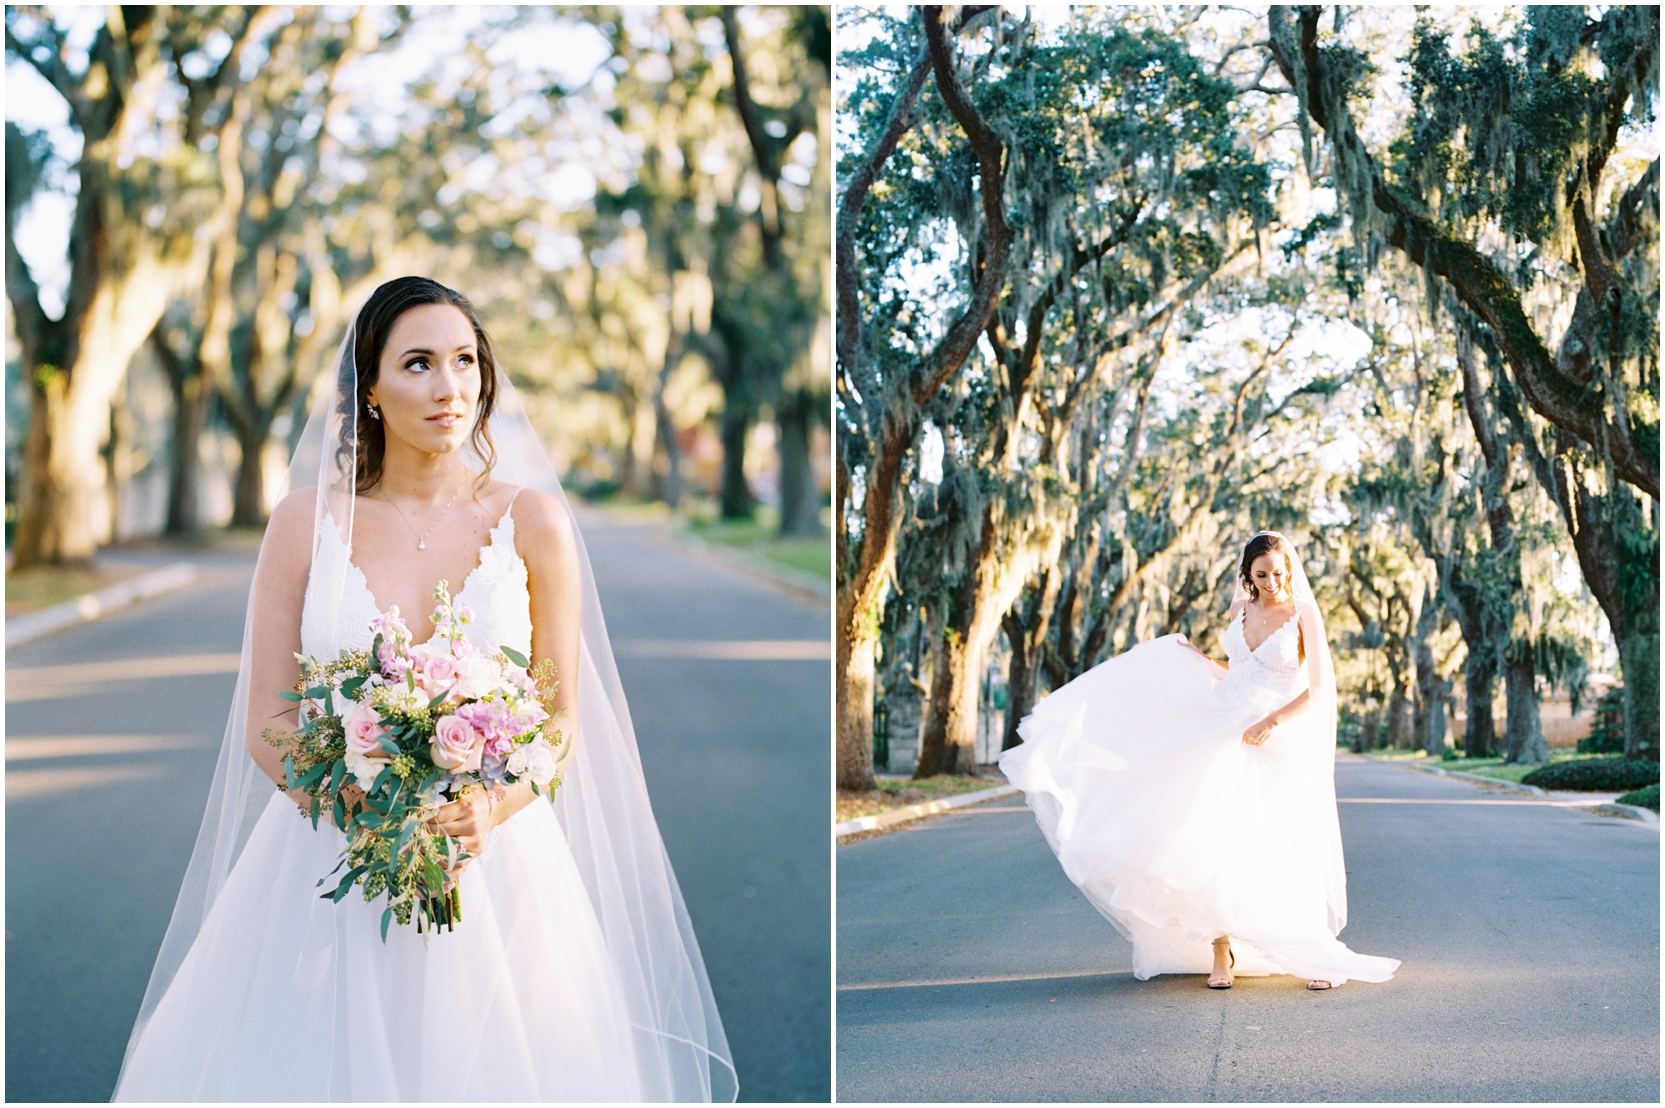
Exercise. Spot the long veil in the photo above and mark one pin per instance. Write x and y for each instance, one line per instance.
(1322, 714)
(602, 806)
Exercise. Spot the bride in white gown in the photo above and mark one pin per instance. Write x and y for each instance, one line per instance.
(1194, 805)
(573, 974)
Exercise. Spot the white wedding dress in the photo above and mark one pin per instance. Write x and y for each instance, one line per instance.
(1176, 829)
(287, 997)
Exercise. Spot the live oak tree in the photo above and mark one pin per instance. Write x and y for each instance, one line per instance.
(1512, 142)
(883, 384)
(132, 240)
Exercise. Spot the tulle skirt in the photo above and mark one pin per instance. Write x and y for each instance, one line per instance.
(1178, 831)
(287, 997)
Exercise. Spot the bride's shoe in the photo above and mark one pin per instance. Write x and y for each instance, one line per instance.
(1219, 981)
(1318, 986)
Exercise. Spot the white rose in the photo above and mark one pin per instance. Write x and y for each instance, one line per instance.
(542, 763)
(363, 769)
(477, 676)
(517, 761)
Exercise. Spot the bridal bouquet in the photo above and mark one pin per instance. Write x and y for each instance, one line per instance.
(414, 727)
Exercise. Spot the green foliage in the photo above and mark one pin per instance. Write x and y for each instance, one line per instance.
(1607, 731)
(1643, 798)
(1594, 775)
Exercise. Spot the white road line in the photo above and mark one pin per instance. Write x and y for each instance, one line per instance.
(90, 746)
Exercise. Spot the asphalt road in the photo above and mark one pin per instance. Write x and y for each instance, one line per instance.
(106, 779)
(969, 968)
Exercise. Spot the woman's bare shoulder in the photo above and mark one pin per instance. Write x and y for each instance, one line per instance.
(542, 519)
(1237, 605)
(289, 531)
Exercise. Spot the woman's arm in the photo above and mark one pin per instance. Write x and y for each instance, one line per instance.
(1193, 646)
(1231, 614)
(275, 629)
(544, 541)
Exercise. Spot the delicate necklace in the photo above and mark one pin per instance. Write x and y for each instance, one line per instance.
(422, 539)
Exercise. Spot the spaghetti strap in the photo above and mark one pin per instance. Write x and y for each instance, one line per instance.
(512, 500)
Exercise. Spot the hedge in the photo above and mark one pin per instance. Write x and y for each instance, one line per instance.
(1643, 798)
(1594, 775)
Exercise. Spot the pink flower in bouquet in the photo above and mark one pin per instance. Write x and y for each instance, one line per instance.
(363, 725)
(390, 627)
(456, 745)
(436, 669)
(530, 715)
(491, 718)
(394, 665)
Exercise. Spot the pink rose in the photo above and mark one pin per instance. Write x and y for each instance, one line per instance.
(456, 745)
(364, 728)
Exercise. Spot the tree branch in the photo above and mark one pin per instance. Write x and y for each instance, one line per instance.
(961, 337)
(1481, 285)
(52, 66)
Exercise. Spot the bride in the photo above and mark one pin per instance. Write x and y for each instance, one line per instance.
(574, 973)
(1195, 804)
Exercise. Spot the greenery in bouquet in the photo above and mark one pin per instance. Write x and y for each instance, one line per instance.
(414, 726)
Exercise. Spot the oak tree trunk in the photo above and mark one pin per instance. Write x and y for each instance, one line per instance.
(1480, 734)
(1523, 733)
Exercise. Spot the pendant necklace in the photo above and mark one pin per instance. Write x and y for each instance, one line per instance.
(422, 539)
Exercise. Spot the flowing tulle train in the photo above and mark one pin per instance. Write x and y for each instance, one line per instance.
(1178, 831)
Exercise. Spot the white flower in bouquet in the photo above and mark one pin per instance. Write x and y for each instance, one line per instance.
(540, 762)
(477, 675)
(399, 698)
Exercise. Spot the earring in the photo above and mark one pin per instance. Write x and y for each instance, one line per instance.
(374, 414)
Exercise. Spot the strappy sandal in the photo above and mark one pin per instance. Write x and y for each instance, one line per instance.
(1233, 963)
(1319, 986)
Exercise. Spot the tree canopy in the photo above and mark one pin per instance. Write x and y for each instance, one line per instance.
(1202, 302)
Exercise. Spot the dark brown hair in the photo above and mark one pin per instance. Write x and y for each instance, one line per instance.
(1267, 542)
(375, 321)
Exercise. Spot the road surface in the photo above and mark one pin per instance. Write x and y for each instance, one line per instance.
(969, 968)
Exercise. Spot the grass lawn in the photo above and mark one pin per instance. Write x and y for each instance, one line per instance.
(756, 538)
(893, 794)
(30, 590)
(1480, 767)
(753, 538)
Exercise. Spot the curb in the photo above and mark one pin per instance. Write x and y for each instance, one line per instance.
(1626, 811)
(1606, 808)
(804, 585)
(923, 808)
(85, 609)
(1476, 778)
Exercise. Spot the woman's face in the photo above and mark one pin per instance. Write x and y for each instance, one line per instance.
(1270, 573)
(429, 381)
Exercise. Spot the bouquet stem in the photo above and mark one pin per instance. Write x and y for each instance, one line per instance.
(445, 911)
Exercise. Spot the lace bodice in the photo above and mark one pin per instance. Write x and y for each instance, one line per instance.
(1274, 667)
(496, 590)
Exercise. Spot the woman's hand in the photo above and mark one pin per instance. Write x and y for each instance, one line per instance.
(1259, 733)
(468, 819)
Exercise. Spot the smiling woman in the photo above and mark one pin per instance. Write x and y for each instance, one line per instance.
(1196, 809)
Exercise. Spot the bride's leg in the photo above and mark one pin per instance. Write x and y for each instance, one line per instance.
(1223, 961)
